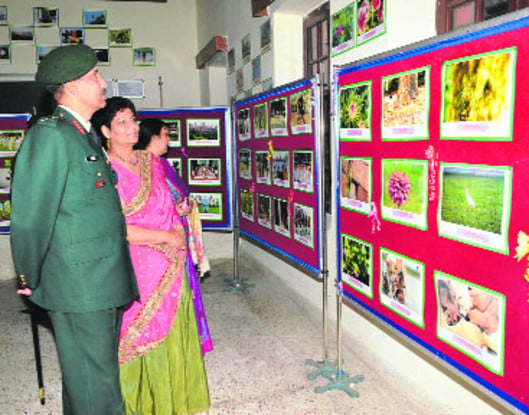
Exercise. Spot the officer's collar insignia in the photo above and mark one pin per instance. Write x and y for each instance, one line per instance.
(78, 126)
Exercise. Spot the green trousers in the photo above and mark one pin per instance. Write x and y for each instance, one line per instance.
(87, 344)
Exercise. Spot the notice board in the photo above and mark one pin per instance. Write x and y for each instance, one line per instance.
(433, 172)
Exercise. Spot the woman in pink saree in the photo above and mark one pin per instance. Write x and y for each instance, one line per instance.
(161, 364)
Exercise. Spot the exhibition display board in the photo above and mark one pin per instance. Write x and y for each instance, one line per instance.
(200, 151)
(13, 128)
(433, 166)
(278, 177)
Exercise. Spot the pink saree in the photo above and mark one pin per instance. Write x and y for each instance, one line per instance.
(147, 202)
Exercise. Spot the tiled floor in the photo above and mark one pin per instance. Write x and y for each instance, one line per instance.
(261, 338)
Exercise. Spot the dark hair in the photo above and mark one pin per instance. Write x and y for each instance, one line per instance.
(149, 127)
(105, 115)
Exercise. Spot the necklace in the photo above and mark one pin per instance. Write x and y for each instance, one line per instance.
(132, 163)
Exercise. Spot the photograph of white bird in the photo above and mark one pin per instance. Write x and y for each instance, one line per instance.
(470, 201)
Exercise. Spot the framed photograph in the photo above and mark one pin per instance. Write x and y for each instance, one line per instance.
(43, 50)
(209, 205)
(281, 217)
(370, 20)
(103, 55)
(6, 164)
(343, 29)
(356, 183)
(475, 204)
(42, 17)
(231, 60)
(357, 264)
(243, 124)
(303, 170)
(264, 210)
(405, 192)
(173, 129)
(21, 34)
(402, 286)
(355, 112)
(144, 57)
(94, 18)
(3, 15)
(262, 167)
(256, 70)
(72, 35)
(5, 54)
(471, 318)
(260, 120)
(267, 85)
(301, 112)
(247, 203)
(239, 80)
(120, 38)
(204, 171)
(266, 36)
(130, 88)
(406, 105)
(281, 168)
(278, 117)
(245, 163)
(5, 215)
(10, 141)
(246, 48)
(304, 224)
(176, 165)
(203, 132)
(471, 111)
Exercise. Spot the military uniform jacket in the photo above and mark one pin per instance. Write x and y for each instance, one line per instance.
(68, 234)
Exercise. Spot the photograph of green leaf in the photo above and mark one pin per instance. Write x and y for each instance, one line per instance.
(355, 106)
(356, 259)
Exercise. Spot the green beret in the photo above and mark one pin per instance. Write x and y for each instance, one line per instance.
(65, 64)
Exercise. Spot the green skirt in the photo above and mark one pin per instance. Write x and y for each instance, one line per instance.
(170, 379)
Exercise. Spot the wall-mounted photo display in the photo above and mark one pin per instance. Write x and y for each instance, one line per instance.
(246, 49)
(3, 15)
(304, 224)
(5, 53)
(256, 70)
(204, 171)
(239, 80)
(173, 129)
(231, 60)
(370, 20)
(281, 217)
(471, 319)
(203, 132)
(209, 205)
(245, 163)
(357, 264)
(94, 18)
(301, 112)
(5, 214)
(355, 112)
(343, 27)
(356, 183)
(21, 34)
(102, 54)
(405, 192)
(72, 35)
(243, 124)
(247, 204)
(176, 165)
(406, 105)
(262, 167)
(278, 117)
(10, 141)
(281, 168)
(264, 210)
(120, 38)
(6, 164)
(43, 17)
(402, 286)
(260, 120)
(266, 36)
(144, 57)
(303, 170)
(478, 96)
(475, 204)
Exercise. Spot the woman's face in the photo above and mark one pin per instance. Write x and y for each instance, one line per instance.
(124, 129)
(159, 143)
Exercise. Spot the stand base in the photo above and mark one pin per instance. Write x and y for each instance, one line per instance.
(237, 285)
(342, 382)
(325, 368)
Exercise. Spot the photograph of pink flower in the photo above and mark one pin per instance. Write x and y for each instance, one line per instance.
(370, 18)
(343, 23)
(355, 112)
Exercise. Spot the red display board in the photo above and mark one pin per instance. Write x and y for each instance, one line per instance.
(200, 151)
(433, 170)
(278, 174)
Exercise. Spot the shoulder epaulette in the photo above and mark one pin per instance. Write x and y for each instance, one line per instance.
(52, 118)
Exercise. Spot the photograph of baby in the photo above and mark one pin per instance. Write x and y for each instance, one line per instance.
(357, 264)
(402, 286)
(471, 319)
